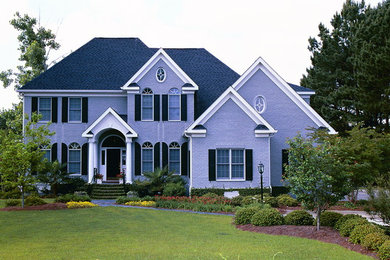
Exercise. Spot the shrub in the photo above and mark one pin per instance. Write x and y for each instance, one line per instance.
(34, 201)
(244, 215)
(299, 218)
(286, 200)
(80, 204)
(267, 217)
(72, 197)
(329, 218)
(243, 192)
(361, 231)
(71, 185)
(149, 198)
(349, 225)
(374, 240)
(12, 202)
(384, 250)
(344, 218)
(248, 200)
(278, 190)
(174, 189)
(143, 203)
(210, 195)
(257, 205)
(236, 201)
(124, 199)
(271, 201)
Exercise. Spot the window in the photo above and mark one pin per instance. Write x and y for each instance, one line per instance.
(160, 75)
(147, 157)
(260, 104)
(174, 104)
(230, 164)
(74, 158)
(74, 109)
(147, 104)
(44, 108)
(174, 158)
(123, 157)
(47, 152)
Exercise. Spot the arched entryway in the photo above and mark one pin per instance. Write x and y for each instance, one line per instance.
(112, 155)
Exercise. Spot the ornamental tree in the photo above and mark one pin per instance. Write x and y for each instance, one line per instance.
(314, 174)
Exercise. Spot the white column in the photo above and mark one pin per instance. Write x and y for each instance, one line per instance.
(95, 157)
(129, 178)
(90, 159)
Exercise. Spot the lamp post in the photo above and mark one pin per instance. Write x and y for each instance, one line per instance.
(260, 169)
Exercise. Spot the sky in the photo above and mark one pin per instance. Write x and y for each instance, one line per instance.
(236, 32)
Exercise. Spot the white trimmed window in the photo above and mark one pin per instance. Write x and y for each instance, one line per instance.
(74, 109)
(147, 157)
(174, 158)
(47, 152)
(174, 104)
(160, 75)
(147, 105)
(260, 104)
(74, 162)
(44, 108)
(230, 164)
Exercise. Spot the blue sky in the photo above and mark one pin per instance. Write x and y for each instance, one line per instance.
(237, 32)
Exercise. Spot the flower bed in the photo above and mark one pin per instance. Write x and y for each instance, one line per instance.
(145, 203)
(80, 204)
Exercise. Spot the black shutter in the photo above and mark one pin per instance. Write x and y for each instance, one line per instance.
(164, 154)
(183, 107)
(137, 107)
(156, 107)
(54, 152)
(84, 159)
(34, 105)
(249, 164)
(54, 109)
(184, 156)
(211, 165)
(157, 155)
(164, 107)
(284, 161)
(137, 157)
(64, 109)
(64, 153)
(85, 110)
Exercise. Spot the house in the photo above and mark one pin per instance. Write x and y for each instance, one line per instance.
(117, 105)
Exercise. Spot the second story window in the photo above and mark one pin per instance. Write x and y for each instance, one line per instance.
(44, 108)
(174, 104)
(147, 105)
(74, 109)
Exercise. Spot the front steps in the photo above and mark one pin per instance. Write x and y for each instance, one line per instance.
(107, 191)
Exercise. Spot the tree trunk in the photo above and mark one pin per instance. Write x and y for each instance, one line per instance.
(318, 218)
(22, 190)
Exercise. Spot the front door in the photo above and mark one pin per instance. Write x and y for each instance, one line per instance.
(113, 163)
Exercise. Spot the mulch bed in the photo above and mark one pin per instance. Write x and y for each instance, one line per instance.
(326, 234)
(49, 206)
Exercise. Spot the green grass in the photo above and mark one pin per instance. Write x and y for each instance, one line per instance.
(2, 202)
(130, 233)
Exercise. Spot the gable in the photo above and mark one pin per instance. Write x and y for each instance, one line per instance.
(283, 103)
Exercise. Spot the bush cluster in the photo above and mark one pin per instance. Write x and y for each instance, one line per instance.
(361, 231)
(286, 200)
(329, 218)
(12, 202)
(72, 197)
(267, 217)
(374, 240)
(196, 206)
(349, 225)
(384, 250)
(243, 192)
(244, 215)
(34, 201)
(344, 218)
(174, 189)
(299, 218)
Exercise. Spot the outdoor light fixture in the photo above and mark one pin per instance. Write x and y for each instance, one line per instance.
(260, 169)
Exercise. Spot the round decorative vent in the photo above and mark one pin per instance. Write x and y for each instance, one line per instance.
(260, 104)
(160, 75)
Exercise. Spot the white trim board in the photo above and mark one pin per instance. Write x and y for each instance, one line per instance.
(260, 64)
(97, 121)
(160, 55)
(232, 94)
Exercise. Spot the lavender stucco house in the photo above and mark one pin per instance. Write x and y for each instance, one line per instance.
(118, 105)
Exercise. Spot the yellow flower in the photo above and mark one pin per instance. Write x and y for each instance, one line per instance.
(141, 203)
(80, 204)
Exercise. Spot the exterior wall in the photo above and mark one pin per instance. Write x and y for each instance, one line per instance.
(281, 112)
(229, 127)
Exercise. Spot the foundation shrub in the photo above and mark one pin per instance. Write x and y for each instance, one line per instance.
(361, 231)
(329, 218)
(374, 240)
(286, 200)
(174, 189)
(210, 195)
(299, 218)
(384, 250)
(349, 225)
(344, 218)
(267, 217)
(273, 201)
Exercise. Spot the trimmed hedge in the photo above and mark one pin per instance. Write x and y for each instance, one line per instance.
(244, 215)
(243, 192)
(374, 240)
(344, 218)
(349, 225)
(361, 231)
(384, 250)
(329, 218)
(299, 218)
(267, 217)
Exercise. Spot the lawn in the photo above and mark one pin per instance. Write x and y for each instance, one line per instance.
(130, 233)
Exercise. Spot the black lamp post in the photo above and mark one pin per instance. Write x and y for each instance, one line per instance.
(260, 169)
